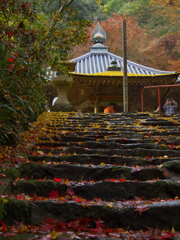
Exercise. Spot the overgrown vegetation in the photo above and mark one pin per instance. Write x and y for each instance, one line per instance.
(30, 41)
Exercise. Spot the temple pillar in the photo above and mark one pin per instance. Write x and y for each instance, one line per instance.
(96, 104)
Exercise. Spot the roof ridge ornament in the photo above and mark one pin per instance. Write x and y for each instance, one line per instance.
(98, 34)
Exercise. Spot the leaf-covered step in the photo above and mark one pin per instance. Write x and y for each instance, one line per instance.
(141, 152)
(159, 123)
(156, 152)
(99, 159)
(111, 145)
(157, 215)
(67, 139)
(136, 215)
(173, 169)
(40, 188)
(108, 152)
(109, 190)
(90, 172)
(106, 145)
(107, 139)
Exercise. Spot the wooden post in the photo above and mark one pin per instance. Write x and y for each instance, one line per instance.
(96, 109)
(159, 101)
(97, 93)
(125, 80)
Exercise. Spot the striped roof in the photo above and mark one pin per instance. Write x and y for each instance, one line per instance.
(99, 59)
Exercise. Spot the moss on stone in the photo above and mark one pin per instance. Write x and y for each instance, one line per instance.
(13, 173)
(167, 164)
(2, 211)
(117, 171)
(65, 158)
(26, 167)
(16, 210)
(127, 173)
(25, 187)
(40, 188)
(113, 172)
(158, 190)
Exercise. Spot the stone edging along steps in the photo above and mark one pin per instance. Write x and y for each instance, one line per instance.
(122, 169)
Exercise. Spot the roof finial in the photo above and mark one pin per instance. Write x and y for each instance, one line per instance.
(98, 35)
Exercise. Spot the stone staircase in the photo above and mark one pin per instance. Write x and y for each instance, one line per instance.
(121, 168)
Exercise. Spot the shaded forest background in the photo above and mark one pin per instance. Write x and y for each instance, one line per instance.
(153, 32)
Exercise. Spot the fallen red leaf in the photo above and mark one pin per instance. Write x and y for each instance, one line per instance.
(70, 192)
(171, 146)
(3, 225)
(53, 194)
(57, 179)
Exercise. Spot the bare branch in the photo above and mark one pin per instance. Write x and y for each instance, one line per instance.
(60, 11)
(65, 5)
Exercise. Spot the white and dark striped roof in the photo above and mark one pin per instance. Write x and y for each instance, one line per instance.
(99, 59)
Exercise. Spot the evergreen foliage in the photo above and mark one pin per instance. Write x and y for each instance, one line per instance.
(87, 9)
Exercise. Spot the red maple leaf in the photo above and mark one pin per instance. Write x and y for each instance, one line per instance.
(171, 146)
(47, 227)
(140, 209)
(122, 179)
(62, 227)
(53, 194)
(49, 220)
(57, 179)
(78, 199)
(99, 223)
(165, 174)
(3, 225)
(70, 192)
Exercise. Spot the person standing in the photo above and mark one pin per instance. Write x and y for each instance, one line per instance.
(170, 106)
(109, 108)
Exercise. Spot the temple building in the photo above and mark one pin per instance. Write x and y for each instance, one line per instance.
(98, 80)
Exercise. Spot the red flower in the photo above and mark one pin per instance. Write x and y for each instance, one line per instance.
(11, 59)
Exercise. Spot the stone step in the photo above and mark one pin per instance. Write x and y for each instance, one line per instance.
(156, 152)
(136, 215)
(77, 140)
(159, 123)
(113, 189)
(108, 145)
(126, 190)
(141, 152)
(98, 159)
(40, 188)
(77, 172)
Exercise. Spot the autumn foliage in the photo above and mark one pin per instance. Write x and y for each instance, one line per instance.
(29, 42)
(142, 48)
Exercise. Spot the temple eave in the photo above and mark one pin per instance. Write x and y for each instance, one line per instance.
(158, 79)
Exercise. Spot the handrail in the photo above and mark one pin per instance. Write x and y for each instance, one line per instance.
(159, 98)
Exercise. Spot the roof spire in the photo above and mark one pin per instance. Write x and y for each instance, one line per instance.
(98, 35)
